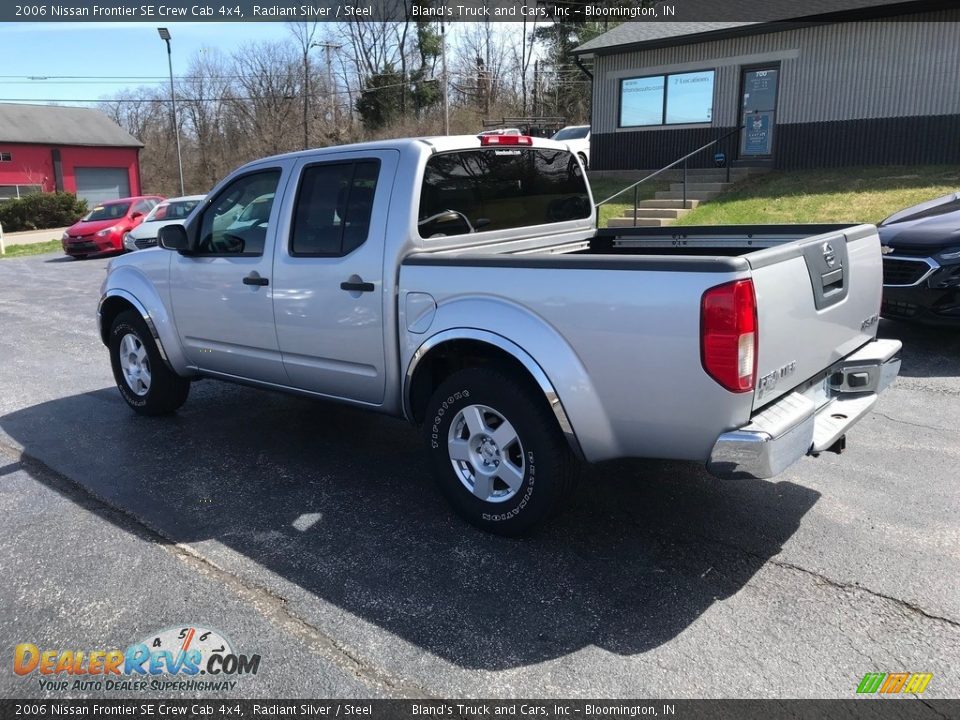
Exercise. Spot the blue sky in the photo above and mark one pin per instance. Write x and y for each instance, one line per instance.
(108, 49)
(97, 50)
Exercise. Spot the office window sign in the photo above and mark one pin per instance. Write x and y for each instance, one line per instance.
(641, 101)
(758, 133)
(690, 97)
(673, 99)
(760, 90)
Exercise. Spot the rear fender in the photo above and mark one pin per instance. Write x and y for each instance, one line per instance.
(546, 355)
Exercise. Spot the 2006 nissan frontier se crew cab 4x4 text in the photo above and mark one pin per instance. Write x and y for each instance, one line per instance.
(461, 282)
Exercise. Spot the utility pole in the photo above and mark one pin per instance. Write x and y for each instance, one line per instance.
(331, 88)
(536, 65)
(306, 85)
(524, 61)
(165, 36)
(306, 95)
(446, 99)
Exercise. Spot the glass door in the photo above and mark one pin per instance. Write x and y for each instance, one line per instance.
(759, 112)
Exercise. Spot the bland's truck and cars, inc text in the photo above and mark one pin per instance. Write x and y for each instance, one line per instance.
(461, 282)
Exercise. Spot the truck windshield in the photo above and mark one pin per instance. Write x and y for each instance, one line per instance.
(500, 188)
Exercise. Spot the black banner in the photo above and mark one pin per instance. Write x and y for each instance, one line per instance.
(457, 10)
(867, 708)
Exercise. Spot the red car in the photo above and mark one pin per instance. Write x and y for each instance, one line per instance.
(101, 230)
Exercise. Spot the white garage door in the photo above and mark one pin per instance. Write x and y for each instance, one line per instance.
(97, 185)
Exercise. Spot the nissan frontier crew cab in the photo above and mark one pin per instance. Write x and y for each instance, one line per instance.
(461, 282)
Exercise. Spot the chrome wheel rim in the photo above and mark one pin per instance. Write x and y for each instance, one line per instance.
(135, 364)
(486, 453)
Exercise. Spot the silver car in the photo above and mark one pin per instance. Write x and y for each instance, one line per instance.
(169, 212)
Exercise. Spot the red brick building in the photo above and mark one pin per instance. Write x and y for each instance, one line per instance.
(80, 150)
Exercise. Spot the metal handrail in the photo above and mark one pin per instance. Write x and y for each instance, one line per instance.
(667, 167)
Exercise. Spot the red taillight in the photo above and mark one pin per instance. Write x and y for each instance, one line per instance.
(506, 140)
(728, 335)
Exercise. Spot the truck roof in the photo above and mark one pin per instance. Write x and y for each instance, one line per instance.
(438, 143)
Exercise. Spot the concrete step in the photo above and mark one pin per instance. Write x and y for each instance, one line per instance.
(641, 222)
(658, 212)
(661, 204)
(697, 186)
(691, 195)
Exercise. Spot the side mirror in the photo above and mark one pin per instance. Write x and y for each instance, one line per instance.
(174, 237)
(136, 215)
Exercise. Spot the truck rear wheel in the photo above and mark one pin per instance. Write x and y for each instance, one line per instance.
(143, 378)
(497, 452)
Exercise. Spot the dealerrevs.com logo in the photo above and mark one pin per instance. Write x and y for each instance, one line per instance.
(178, 659)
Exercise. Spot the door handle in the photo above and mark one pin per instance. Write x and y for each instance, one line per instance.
(357, 286)
(255, 279)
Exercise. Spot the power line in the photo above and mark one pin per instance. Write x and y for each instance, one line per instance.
(208, 99)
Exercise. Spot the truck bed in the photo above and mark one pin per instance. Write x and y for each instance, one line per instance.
(817, 286)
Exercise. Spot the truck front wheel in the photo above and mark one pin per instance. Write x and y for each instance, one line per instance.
(144, 380)
(497, 452)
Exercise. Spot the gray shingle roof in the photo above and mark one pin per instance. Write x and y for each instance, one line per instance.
(630, 33)
(54, 125)
(755, 16)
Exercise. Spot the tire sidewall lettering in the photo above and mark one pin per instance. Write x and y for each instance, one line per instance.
(132, 398)
(436, 443)
(438, 417)
(531, 480)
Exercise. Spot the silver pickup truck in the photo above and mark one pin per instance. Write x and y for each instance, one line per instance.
(461, 282)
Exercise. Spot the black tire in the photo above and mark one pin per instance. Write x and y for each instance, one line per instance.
(583, 159)
(549, 469)
(167, 391)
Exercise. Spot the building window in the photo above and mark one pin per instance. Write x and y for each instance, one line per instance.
(674, 99)
(14, 192)
(6, 157)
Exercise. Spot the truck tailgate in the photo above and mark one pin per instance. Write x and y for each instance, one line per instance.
(818, 300)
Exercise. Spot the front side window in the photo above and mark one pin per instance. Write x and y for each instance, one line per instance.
(334, 205)
(237, 220)
(499, 189)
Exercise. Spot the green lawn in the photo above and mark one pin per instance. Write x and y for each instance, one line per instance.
(602, 189)
(859, 194)
(32, 249)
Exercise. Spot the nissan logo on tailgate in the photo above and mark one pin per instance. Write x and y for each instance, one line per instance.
(828, 255)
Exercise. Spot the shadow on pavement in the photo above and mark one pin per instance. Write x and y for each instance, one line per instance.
(928, 351)
(647, 547)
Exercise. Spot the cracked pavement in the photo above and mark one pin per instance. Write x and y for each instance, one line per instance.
(311, 534)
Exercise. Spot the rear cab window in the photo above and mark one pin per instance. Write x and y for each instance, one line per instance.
(500, 188)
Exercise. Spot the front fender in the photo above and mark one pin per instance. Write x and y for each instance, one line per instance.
(127, 283)
(539, 347)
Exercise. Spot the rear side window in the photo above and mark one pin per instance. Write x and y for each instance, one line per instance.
(499, 189)
(334, 205)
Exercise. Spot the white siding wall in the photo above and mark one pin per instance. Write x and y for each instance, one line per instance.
(849, 71)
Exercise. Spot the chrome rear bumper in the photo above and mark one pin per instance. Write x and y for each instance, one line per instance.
(801, 423)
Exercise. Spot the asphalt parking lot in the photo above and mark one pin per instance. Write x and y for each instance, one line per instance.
(311, 534)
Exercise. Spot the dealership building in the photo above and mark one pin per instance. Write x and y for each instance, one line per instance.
(879, 85)
(80, 150)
